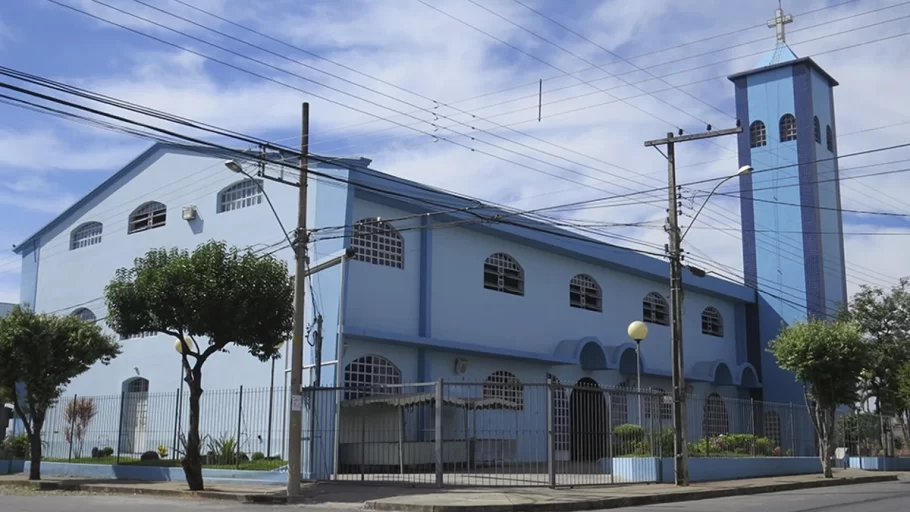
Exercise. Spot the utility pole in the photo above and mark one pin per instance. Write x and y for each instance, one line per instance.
(680, 446)
(295, 424)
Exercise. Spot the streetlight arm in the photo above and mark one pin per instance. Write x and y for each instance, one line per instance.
(236, 167)
(719, 183)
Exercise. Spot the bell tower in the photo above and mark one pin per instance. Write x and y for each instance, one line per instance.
(792, 230)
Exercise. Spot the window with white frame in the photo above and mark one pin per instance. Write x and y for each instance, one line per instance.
(619, 405)
(240, 195)
(505, 386)
(771, 425)
(86, 235)
(84, 314)
(371, 375)
(712, 323)
(660, 407)
(787, 128)
(655, 309)
(150, 215)
(560, 413)
(377, 242)
(585, 293)
(758, 134)
(716, 421)
(147, 334)
(503, 274)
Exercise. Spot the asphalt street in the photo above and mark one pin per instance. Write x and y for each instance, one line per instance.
(883, 497)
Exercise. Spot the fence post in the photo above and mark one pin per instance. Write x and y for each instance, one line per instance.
(793, 432)
(551, 433)
(752, 423)
(120, 426)
(176, 412)
(438, 429)
(609, 430)
(72, 425)
(239, 422)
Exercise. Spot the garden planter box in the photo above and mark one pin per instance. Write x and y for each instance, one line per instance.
(706, 469)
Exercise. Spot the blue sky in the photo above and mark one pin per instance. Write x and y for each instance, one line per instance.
(46, 163)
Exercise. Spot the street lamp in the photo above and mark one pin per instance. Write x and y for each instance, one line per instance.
(638, 331)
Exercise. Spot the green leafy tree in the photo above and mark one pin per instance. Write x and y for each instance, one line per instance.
(212, 298)
(43, 353)
(884, 319)
(828, 359)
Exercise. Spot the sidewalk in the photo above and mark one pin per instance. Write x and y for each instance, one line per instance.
(426, 499)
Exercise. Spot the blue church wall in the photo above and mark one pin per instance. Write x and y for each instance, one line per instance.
(829, 216)
(462, 309)
(384, 297)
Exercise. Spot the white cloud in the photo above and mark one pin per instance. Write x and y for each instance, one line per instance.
(46, 150)
(408, 44)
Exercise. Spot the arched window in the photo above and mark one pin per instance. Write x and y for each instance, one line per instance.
(86, 235)
(560, 414)
(371, 375)
(502, 273)
(660, 406)
(377, 242)
(829, 138)
(240, 195)
(619, 405)
(787, 128)
(505, 386)
(150, 215)
(758, 134)
(816, 126)
(84, 314)
(655, 309)
(584, 293)
(716, 421)
(771, 425)
(712, 323)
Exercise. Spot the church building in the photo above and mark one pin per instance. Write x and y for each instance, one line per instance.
(446, 287)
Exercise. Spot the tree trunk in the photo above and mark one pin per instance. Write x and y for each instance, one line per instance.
(34, 441)
(192, 462)
(824, 421)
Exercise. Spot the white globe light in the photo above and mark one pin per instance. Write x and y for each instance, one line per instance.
(178, 346)
(638, 330)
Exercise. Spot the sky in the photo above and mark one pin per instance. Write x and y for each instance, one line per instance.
(447, 92)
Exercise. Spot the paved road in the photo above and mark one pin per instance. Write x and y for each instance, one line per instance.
(883, 497)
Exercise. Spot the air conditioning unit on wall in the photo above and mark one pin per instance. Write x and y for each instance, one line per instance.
(461, 366)
(189, 212)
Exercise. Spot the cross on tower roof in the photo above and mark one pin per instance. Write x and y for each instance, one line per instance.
(780, 19)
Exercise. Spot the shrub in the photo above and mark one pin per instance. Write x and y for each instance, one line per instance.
(96, 453)
(629, 433)
(732, 444)
(258, 456)
(15, 447)
(150, 455)
(107, 451)
(162, 451)
(223, 450)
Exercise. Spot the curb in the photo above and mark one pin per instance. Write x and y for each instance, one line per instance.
(42, 485)
(631, 501)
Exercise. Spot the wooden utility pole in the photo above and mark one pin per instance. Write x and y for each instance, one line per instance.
(680, 446)
(295, 424)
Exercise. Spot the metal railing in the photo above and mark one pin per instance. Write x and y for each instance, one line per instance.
(444, 433)
(240, 428)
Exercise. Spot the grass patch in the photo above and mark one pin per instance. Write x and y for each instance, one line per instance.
(252, 465)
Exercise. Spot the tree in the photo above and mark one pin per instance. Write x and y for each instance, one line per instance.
(43, 353)
(828, 359)
(212, 298)
(78, 414)
(884, 319)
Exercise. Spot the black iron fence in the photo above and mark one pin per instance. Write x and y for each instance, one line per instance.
(453, 433)
(240, 428)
